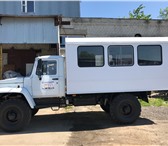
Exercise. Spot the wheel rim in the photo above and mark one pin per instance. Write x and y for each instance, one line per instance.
(13, 115)
(125, 109)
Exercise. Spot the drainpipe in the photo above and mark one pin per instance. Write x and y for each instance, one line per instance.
(59, 22)
(1, 61)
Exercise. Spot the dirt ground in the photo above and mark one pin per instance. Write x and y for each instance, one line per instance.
(90, 126)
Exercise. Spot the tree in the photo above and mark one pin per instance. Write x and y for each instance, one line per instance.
(163, 13)
(139, 13)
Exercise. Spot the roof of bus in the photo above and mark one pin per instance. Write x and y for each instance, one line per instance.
(90, 40)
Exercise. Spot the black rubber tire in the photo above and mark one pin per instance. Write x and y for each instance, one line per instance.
(105, 107)
(34, 111)
(125, 109)
(15, 114)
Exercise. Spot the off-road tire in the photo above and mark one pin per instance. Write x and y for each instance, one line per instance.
(34, 111)
(125, 108)
(15, 114)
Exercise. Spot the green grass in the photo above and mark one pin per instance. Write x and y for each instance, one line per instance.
(68, 108)
(154, 102)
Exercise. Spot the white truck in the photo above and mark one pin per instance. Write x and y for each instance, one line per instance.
(112, 72)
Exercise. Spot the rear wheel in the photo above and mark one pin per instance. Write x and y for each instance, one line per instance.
(125, 108)
(15, 114)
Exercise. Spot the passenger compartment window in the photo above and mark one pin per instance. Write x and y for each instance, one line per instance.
(149, 55)
(120, 55)
(90, 56)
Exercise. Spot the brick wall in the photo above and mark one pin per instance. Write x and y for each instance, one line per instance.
(105, 27)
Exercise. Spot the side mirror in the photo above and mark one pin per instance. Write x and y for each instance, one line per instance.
(39, 70)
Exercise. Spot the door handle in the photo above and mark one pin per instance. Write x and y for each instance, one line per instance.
(54, 78)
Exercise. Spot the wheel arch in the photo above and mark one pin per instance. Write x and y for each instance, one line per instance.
(18, 93)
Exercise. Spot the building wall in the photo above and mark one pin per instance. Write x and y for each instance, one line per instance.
(12, 7)
(16, 57)
(19, 63)
(28, 31)
(106, 27)
(64, 8)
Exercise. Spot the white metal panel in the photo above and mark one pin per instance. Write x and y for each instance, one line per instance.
(28, 30)
(106, 79)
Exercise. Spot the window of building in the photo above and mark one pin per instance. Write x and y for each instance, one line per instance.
(62, 41)
(27, 6)
(90, 56)
(149, 55)
(23, 6)
(121, 55)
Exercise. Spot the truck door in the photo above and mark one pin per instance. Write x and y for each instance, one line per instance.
(46, 83)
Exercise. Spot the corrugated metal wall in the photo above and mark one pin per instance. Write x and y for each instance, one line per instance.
(12, 7)
(28, 30)
(64, 8)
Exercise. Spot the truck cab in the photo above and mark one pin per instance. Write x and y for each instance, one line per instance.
(47, 78)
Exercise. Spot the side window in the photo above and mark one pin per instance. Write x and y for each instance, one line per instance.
(149, 55)
(48, 68)
(120, 55)
(90, 56)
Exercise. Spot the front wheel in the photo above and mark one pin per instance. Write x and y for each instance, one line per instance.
(34, 111)
(15, 114)
(125, 108)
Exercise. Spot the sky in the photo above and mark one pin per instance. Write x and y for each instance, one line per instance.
(120, 8)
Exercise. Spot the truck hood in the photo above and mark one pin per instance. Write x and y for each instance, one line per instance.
(12, 82)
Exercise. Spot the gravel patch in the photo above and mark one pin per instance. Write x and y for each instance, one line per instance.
(155, 113)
